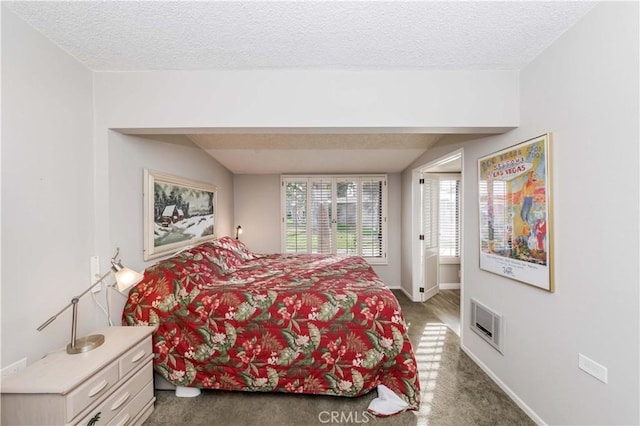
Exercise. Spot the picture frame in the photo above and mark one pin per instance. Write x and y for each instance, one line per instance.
(178, 212)
(516, 233)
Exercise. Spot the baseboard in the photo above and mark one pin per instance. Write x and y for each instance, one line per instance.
(443, 286)
(407, 293)
(520, 403)
(430, 293)
(449, 286)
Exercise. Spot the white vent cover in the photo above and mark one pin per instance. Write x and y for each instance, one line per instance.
(487, 324)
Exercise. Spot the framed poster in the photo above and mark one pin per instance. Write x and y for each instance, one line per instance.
(515, 213)
(178, 212)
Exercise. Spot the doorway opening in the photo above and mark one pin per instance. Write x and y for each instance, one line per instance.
(437, 248)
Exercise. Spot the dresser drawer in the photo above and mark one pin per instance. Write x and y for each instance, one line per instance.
(91, 390)
(135, 356)
(113, 405)
(75, 389)
(133, 409)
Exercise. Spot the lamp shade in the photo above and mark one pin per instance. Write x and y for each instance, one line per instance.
(126, 278)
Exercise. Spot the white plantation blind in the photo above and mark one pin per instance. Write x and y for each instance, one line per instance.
(371, 218)
(295, 225)
(449, 241)
(342, 214)
(347, 217)
(321, 207)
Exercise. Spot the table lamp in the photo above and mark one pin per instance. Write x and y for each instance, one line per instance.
(125, 278)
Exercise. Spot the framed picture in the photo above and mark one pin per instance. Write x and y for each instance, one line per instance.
(515, 213)
(178, 212)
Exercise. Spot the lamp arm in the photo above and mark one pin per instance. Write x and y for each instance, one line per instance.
(50, 320)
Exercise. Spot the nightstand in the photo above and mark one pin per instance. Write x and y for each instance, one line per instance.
(110, 385)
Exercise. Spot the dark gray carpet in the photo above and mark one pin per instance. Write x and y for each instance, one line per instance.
(455, 391)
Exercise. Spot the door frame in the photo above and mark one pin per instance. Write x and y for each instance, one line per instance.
(416, 209)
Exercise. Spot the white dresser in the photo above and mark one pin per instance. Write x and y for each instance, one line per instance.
(110, 385)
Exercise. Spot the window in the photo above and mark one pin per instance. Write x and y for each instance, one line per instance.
(335, 214)
(449, 217)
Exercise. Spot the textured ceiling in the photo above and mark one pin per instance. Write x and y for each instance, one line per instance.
(372, 35)
(160, 35)
(315, 153)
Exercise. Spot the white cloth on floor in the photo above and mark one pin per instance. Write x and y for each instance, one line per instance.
(387, 402)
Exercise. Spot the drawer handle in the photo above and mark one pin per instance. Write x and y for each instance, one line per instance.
(139, 356)
(93, 392)
(120, 401)
(125, 420)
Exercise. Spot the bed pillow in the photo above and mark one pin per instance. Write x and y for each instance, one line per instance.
(235, 246)
(223, 260)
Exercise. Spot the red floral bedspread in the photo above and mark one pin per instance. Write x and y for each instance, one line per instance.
(317, 324)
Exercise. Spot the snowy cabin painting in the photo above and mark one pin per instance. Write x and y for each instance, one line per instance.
(171, 214)
(181, 213)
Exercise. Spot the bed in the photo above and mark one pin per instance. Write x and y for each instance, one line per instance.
(230, 319)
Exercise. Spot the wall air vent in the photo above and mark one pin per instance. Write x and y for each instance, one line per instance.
(487, 324)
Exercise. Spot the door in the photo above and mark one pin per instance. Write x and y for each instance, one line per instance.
(430, 249)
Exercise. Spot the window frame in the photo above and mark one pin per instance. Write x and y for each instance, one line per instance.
(335, 179)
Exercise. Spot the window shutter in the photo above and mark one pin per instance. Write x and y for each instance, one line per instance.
(295, 220)
(371, 233)
(347, 217)
(321, 216)
(335, 214)
(449, 217)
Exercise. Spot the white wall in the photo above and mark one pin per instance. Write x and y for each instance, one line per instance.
(449, 273)
(177, 155)
(451, 100)
(258, 210)
(47, 196)
(584, 89)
